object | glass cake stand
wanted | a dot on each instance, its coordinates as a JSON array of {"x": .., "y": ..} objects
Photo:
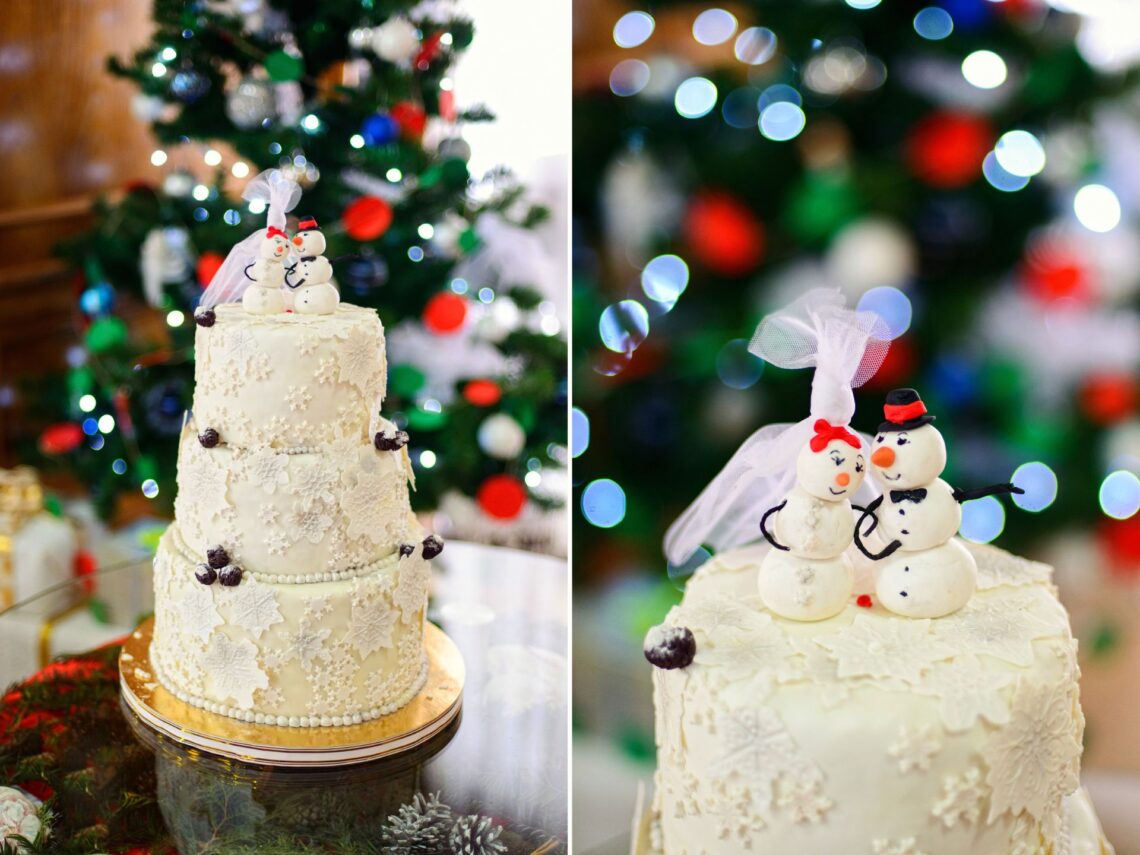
[{"x": 498, "y": 772}]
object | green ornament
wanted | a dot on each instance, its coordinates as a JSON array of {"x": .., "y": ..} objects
[
  {"x": 405, "y": 380},
  {"x": 145, "y": 469},
  {"x": 426, "y": 420},
  {"x": 283, "y": 67},
  {"x": 80, "y": 381},
  {"x": 431, "y": 176},
  {"x": 106, "y": 334},
  {"x": 820, "y": 206},
  {"x": 522, "y": 412},
  {"x": 469, "y": 241},
  {"x": 1105, "y": 639},
  {"x": 455, "y": 174},
  {"x": 53, "y": 505}
]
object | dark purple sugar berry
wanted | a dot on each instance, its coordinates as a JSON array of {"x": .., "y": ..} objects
[
  {"x": 670, "y": 647},
  {"x": 209, "y": 438},
  {"x": 391, "y": 443},
  {"x": 406, "y": 549},
  {"x": 205, "y": 317},
  {"x": 230, "y": 576},
  {"x": 433, "y": 545},
  {"x": 217, "y": 557},
  {"x": 206, "y": 574}
]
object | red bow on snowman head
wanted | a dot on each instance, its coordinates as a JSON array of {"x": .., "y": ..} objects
[
  {"x": 826, "y": 432},
  {"x": 273, "y": 231}
]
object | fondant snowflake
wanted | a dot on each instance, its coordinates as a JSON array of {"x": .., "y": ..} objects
[
  {"x": 298, "y": 398},
  {"x": 199, "y": 615},
  {"x": 276, "y": 541},
  {"x": 359, "y": 358},
  {"x": 998, "y": 568},
  {"x": 368, "y": 507},
  {"x": 316, "y": 484},
  {"x": 962, "y": 797},
  {"x": 378, "y": 686},
  {"x": 268, "y": 470},
  {"x": 276, "y": 430},
  {"x": 759, "y": 750},
  {"x": 967, "y": 692},
  {"x": 271, "y": 698},
  {"x": 240, "y": 347},
  {"x": 1033, "y": 761},
  {"x": 308, "y": 344},
  {"x": 326, "y": 371},
  {"x": 898, "y": 846},
  {"x": 317, "y": 607},
  {"x": 254, "y": 607},
  {"x": 260, "y": 367},
  {"x": 231, "y": 421},
  {"x": 411, "y": 592},
  {"x": 914, "y": 748},
  {"x": 268, "y": 515},
  {"x": 757, "y": 646},
  {"x": 1001, "y": 628},
  {"x": 307, "y": 643},
  {"x": 232, "y": 669},
  {"x": 310, "y": 522},
  {"x": 718, "y": 617},
  {"x": 813, "y": 664},
  {"x": 371, "y": 626},
  {"x": 878, "y": 646},
  {"x": 203, "y": 484},
  {"x": 802, "y": 800}
]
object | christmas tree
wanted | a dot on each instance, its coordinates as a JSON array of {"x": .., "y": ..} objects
[
  {"x": 958, "y": 166},
  {"x": 354, "y": 100}
]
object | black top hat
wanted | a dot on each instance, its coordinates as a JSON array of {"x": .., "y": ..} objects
[{"x": 904, "y": 410}]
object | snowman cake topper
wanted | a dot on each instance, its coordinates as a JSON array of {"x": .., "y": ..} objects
[{"x": 845, "y": 348}]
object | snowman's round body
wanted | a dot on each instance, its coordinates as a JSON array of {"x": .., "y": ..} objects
[
  {"x": 319, "y": 299},
  {"x": 927, "y": 584},
  {"x": 260, "y": 300},
  {"x": 310, "y": 280},
  {"x": 805, "y": 589},
  {"x": 920, "y": 522},
  {"x": 263, "y": 296},
  {"x": 812, "y": 527}
]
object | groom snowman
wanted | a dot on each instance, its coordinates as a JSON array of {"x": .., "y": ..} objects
[{"x": 309, "y": 281}]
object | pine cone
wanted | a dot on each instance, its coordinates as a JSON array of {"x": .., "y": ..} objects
[
  {"x": 419, "y": 828},
  {"x": 476, "y": 835}
]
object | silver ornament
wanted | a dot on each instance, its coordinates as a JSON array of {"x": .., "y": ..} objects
[
  {"x": 252, "y": 104},
  {"x": 456, "y": 147}
]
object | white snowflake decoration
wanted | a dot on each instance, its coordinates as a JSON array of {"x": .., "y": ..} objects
[
  {"x": 316, "y": 484},
  {"x": 271, "y": 698},
  {"x": 317, "y": 607},
  {"x": 254, "y": 607},
  {"x": 232, "y": 668},
  {"x": 967, "y": 692},
  {"x": 359, "y": 358},
  {"x": 311, "y": 522},
  {"x": 326, "y": 371},
  {"x": 368, "y": 509},
  {"x": 308, "y": 344},
  {"x": 371, "y": 625},
  {"x": 199, "y": 616},
  {"x": 884, "y": 646},
  {"x": 411, "y": 592},
  {"x": 998, "y": 568},
  {"x": 758, "y": 646},
  {"x": 241, "y": 348},
  {"x": 203, "y": 484},
  {"x": 298, "y": 398},
  {"x": 307, "y": 643},
  {"x": 962, "y": 797},
  {"x": 276, "y": 542},
  {"x": 268, "y": 515},
  {"x": 803, "y": 801},
  {"x": 898, "y": 846},
  {"x": 1033, "y": 761},
  {"x": 268, "y": 470},
  {"x": 759, "y": 750},
  {"x": 999, "y": 628},
  {"x": 914, "y": 748}
]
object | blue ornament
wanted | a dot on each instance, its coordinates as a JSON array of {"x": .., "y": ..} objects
[
  {"x": 379, "y": 129},
  {"x": 189, "y": 85},
  {"x": 98, "y": 299},
  {"x": 968, "y": 15}
]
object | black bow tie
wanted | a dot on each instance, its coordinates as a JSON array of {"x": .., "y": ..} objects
[
  {"x": 308, "y": 258},
  {"x": 908, "y": 495}
]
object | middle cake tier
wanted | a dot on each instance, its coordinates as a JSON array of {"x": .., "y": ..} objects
[{"x": 320, "y": 515}]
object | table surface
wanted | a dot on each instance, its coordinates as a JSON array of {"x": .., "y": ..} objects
[{"x": 504, "y": 764}]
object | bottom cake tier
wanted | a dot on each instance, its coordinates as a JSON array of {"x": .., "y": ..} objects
[
  {"x": 868, "y": 732},
  {"x": 305, "y": 654}
]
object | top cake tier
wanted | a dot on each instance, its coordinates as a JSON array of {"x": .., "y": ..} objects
[{"x": 289, "y": 381}]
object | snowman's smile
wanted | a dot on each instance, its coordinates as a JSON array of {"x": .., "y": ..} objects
[
  {"x": 889, "y": 478},
  {"x": 835, "y": 492}
]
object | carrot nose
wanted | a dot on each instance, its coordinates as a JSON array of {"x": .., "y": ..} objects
[
  {"x": 883, "y": 457},
  {"x": 297, "y": 240},
  {"x": 842, "y": 479}
]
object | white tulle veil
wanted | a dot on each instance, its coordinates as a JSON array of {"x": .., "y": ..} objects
[
  {"x": 846, "y": 348},
  {"x": 281, "y": 195}
]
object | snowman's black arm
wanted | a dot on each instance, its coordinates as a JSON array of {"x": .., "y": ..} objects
[
  {"x": 980, "y": 492},
  {"x": 246, "y": 271},
  {"x": 768, "y": 536},
  {"x": 869, "y": 511}
]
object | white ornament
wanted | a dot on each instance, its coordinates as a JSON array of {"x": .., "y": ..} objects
[
  {"x": 871, "y": 253},
  {"x": 501, "y": 437},
  {"x": 396, "y": 40},
  {"x": 310, "y": 278},
  {"x": 19, "y": 814},
  {"x": 267, "y": 273},
  {"x": 164, "y": 257}
]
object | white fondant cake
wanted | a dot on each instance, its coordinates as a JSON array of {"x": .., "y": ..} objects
[
  {"x": 870, "y": 732},
  {"x": 280, "y": 475}
]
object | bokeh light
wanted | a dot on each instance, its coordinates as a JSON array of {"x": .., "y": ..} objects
[
  {"x": 1039, "y": 483},
  {"x": 736, "y": 367},
  {"x": 1097, "y": 208},
  {"x": 119, "y": 466},
  {"x": 984, "y": 69},
  {"x": 87, "y": 403},
  {"x": 863, "y": 4},
  {"x": 933, "y": 23},
  {"x": 695, "y": 97},
  {"x": 1120, "y": 494},
  {"x": 890, "y": 304},
  {"x": 1020, "y": 153},
  {"x": 629, "y": 77},
  {"x": 782, "y": 121},
  {"x": 779, "y": 92},
  {"x": 755, "y": 46},
  {"x": 90, "y": 426},
  {"x": 579, "y": 432},
  {"x": 982, "y": 519},
  {"x": 632, "y": 29},
  {"x": 1000, "y": 179},
  {"x": 623, "y": 326},
  {"x": 603, "y": 503},
  {"x": 106, "y": 423},
  {"x": 150, "y": 488},
  {"x": 739, "y": 108},
  {"x": 714, "y": 26},
  {"x": 664, "y": 280}
]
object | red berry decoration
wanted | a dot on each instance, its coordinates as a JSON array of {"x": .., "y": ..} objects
[
  {"x": 670, "y": 647},
  {"x": 208, "y": 265},
  {"x": 433, "y": 545},
  {"x": 946, "y": 149},
  {"x": 209, "y": 438},
  {"x": 206, "y": 574},
  {"x": 230, "y": 576},
  {"x": 723, "y": 234},
  {"x": 406, "y": 549},
  {"x": 411, "y": 119},
  {"x": 501, "y": 497},
  {"x": 445, "y": 313},
  {"x": 217, "y": 557},
  {"x": 394, "y": 442},
  {"x": 205, "y": 317},
  {"x": 60, "y": 438},
  {"x": 367, "y": 218},
  {"x": 482, "y": 393},
  {"x": 863, "y": 601}
]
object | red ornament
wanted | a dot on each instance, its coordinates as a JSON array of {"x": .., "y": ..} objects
[
  {"x": 445, "y": 313},
  {"x": 428, "y": 51},
  {"x": 84, "y": 565},
  {"x": 60, "y": 438},
  {"x": 1120, "y": 540},
  {"x": 1109, "y": 398},
  {"x": 1053, "y": 271},
  {"x": 501, "y": 497},
  {"x": 411, "y": 119},
  {"x": 208, "y": 264},
  {"x": 897, "y": 367},
  {"x": 482, "y": 393},
  {"x": 863, "y": 601},
  {"x": 723, "y": 234},
  {"x": 946, "y": 149},
  {"x": 447, "y": 109},
  {"x": 367, "y": 218}
]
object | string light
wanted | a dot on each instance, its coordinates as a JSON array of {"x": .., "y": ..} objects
[
  {"x": 629, "y": 77},
  {"x": 393, "y": 175},
  {"x": 933, "y": 23},
  {"x": 1020, "y": 153},
  {"x": 736, "y": 367},
  {"x": 416, "y": 254},
  {"x": 782, "y": 121},
  {"x": 984, "y": 69},
  {"x": 1039, "y": 483},
  {"x": 158, "y": 70},
  {"x": 106, "y": 423},
  {"x": 311, "y": 123},
  {"x": 755, "y": 46},
  {"x": 175, "y": 318},
  {"x": 1120, "y": 494},
  {"x": 664, "y": 279},
  {"x": 714, "y": 26},
  {"x": 1097, "y": 208},
  {"x": 695, "y": 97},
  {"x": 257, "y": 206},
  {"x": 158, "y": 157},
  {"x": 459, "y": 286},
  {"x": 633, "y": 29},
  {"x": 890, "y": 304},
  {"x": 982, "y": 519},
  {"x": 623, "y": 326},
  {"x": 999, "y": 178},
  {"x": 87, "y": 403},
  {"x": 168, "y": 54},
  {"x": 356, "y": 141},
  {"x": 532, "y": 479},
  {"x": 119, "y": 466},
  {"x": 97, "y": 443},
  {"x": 212, "y": 157},
  {"x": 550, "y": 325},
  {"x": 603, "y": 503},
  {"x": 240, "y": 169},
  {"x": 200, "y": 192},
  {"x": 579, "y": 432},
  {"x": 486, "y": 295},
  {"x": 426, "y": 231},
  {"x": 90, "y": 427},
  {"x": 150, "y": 488},
  {"x": 427, "y": 458},
  {"x": 863, "y": 5},
  {"x": 231, "y": 217}
]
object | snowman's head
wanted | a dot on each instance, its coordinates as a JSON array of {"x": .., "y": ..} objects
[
  {"x": 275, "y": 245},
  {"x": 830, "y": 466},
  {"x": 309, "y": 240},
  {"x": 904, "y": 459}
]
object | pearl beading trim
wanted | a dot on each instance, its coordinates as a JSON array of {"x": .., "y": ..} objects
[{"x": 343, "y": 720}]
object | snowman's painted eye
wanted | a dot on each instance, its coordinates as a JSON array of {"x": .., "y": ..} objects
[
  {"x": 879, "y": 438},
  {"x": 858, "y": 467},
  {"x": 903, "y": 440},
  {"x": 839, "y": 460}
]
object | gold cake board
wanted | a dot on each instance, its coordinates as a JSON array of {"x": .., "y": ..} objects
[{"x": 428, "y": 713}]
